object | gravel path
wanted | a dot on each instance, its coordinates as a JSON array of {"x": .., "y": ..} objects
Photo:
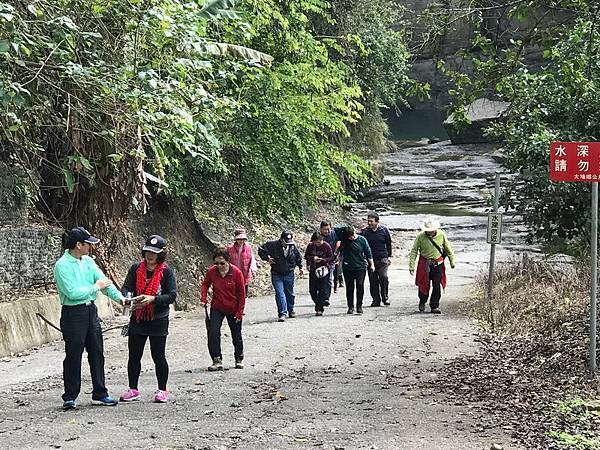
[{"x": 331, "y": 382}]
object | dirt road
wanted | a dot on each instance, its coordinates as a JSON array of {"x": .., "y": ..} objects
[{"x": 330, "y": 382}]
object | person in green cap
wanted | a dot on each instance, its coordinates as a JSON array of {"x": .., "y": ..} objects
[{"x": 78, "y": 281}]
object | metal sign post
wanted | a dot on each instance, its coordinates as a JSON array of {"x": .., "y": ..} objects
[
  {"x": 579, "y": 161},
  {"x": 493, "y": 237},
  {"x": 593, "y": 293}
]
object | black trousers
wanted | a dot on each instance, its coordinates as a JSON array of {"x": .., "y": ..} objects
[
  {"x": 357, "y": 277},
  {"x": 136, "y": 344},
  {"x": 320, "y": 290},
  {"x": 435, "y": 275},
  {"x": 379, "y": 282},
  {"x": 81, "y": 330},
  {"x": 214, "y": 335},
  {"x": 337, "y": 277}
]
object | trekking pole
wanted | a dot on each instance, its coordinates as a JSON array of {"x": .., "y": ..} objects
[
  {"x": 207, "y": 323},
  {"x": 206, "y": 319},
  {"x": 104, "y": 330},
  {"x": 48, "y": 322}
]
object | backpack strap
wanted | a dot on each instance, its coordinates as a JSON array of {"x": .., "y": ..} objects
[{"x": 442, "y": 252}]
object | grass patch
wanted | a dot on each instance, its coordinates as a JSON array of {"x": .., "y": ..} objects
[
  {"x": 573, "y": 441},
  {"x": 534, "y": 297}
]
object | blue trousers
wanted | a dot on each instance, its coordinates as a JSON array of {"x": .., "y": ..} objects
[{"x": 284, "y": 292}]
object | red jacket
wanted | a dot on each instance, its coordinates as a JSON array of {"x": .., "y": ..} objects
[
  {"x": 422, "y": 279},
  {"x": 229, "y": 292}
]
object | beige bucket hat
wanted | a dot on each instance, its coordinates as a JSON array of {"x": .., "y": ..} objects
[{"x": 430, "y": 224}]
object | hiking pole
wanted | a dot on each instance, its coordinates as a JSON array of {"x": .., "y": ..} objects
[
  {"x": 207, "y": 323},
  {"x": 104, "y": 330},
  {"x": 206, "y": 318},
  {"x": 48, "y": 322}
]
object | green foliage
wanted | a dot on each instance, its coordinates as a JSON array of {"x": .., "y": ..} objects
[
  {"x": 95, "y": 88},
  {"x": 278, "y": 143},
  {"x": 571, "y": 406},
  {"x": 573, "y": 441},
  {"x": 242, "y": 101},
  {"x": 371, "y": 37},
  {"x": 14, "y": 189},
  {"x": 557, "y": 102},
  {"x": 372, "y": 40},
  {"x": 576, "y": 421}
]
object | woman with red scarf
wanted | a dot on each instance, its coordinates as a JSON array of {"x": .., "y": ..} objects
[{"x": 153, "y": 281}]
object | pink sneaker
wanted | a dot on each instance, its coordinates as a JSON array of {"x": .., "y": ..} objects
[
  {"x": 130, "y": 395},
  {"x": 161, "y": 396}
]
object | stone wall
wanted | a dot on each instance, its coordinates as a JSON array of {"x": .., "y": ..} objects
[{"x": 27, "y": 256}]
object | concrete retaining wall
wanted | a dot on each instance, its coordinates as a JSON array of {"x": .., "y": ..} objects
[{"x": 21, "y": 328}]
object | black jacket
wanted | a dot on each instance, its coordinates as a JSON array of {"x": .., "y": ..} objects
[
  {"x": 167, "y": 292},
  {"x": 379, "y": 240},
  {"x": 282, "y": 265}
]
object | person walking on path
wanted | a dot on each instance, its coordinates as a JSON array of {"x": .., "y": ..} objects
[
  {"x": 380, "y": 241},
  {"x": 283, "y": 256},
  {"x": 242, "y": 256},
  {"x": 318, "y": 257},
  {"x": 356, "y": 257},
  {"x": 78, "y": 280},
  {"x": 153, "y": 282},
  {"x": 228, "y": 301},
  {"x": 329, "y": 236},
  {"x": 433, "y": 247}
]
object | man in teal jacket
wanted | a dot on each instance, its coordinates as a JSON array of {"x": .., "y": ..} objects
[{"x": 78, "y": 281}]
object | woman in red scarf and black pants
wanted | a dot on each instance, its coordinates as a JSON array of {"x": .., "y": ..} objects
[{"x": 155, "y": 281}]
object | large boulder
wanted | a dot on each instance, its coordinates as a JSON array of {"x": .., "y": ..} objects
[{"x": 481, "y": 113}]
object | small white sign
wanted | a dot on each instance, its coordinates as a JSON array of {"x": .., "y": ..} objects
[{"x": 494, "y": 231}]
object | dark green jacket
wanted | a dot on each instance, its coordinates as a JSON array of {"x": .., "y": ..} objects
[{"x": 354, "y": 254}]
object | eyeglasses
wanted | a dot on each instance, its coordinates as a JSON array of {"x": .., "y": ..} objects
[{"x": 220, "y": 263}]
